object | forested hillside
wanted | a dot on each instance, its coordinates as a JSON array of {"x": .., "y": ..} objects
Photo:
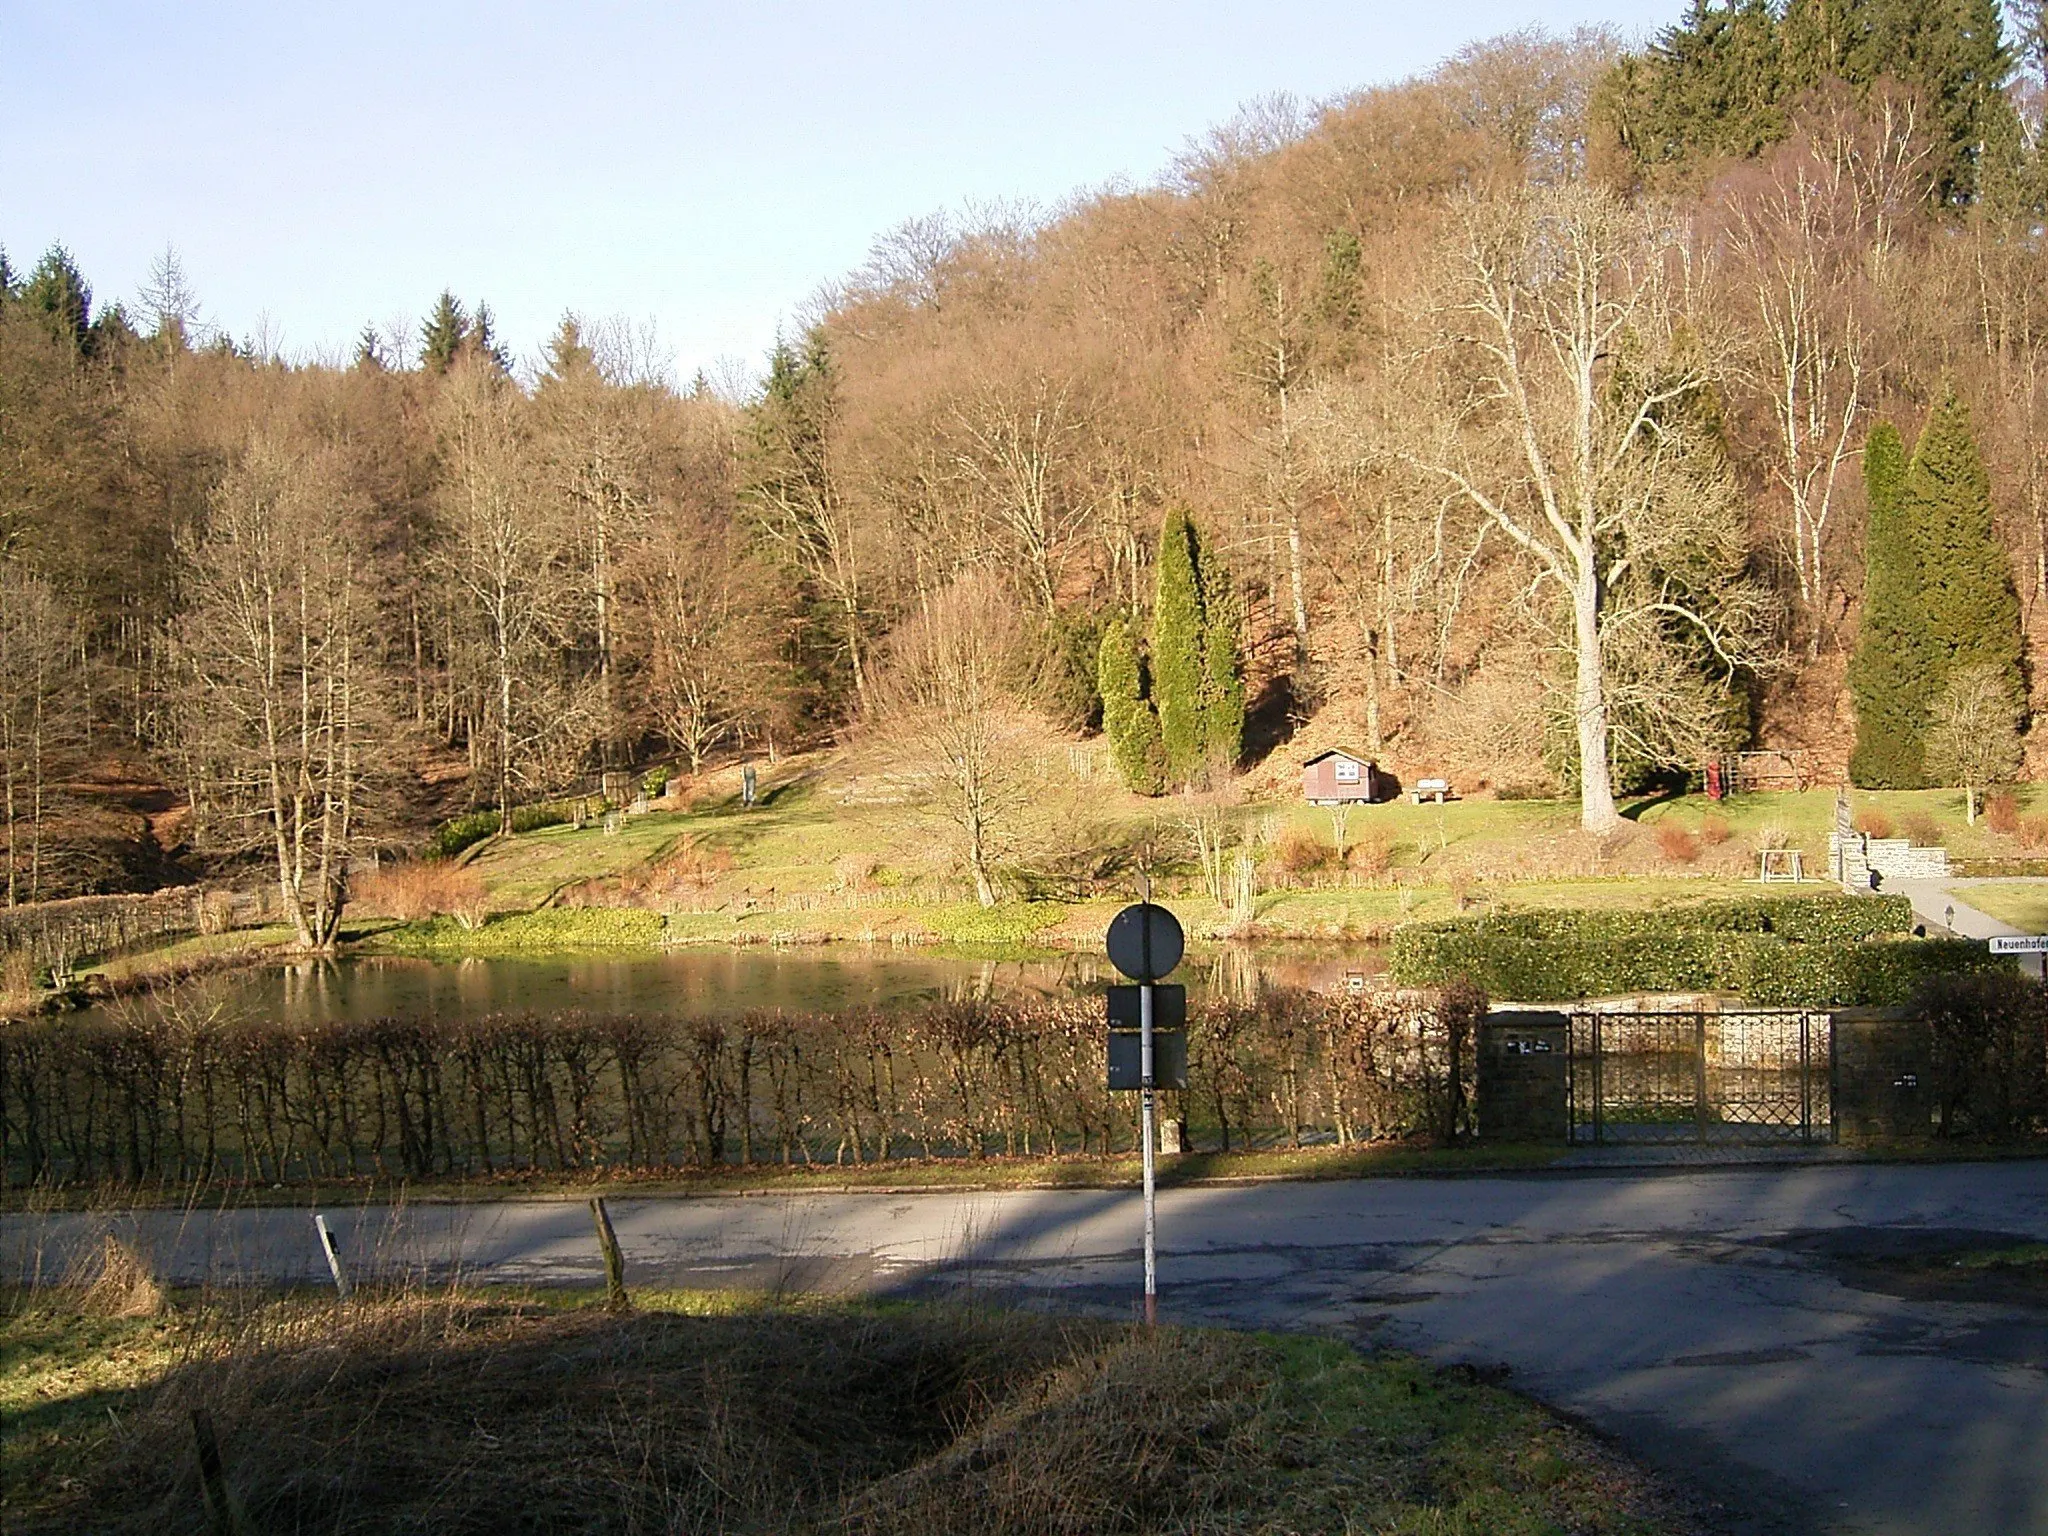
[{"x": 1510, "y": 422}]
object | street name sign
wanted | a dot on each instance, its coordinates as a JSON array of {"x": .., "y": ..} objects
[{"x": 2020, "y": 944}]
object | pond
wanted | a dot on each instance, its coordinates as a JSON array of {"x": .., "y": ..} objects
[{"x": 705, "y": 982}]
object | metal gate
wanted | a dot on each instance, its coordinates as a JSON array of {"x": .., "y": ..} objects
[{"x": 1754, "y": 1075}]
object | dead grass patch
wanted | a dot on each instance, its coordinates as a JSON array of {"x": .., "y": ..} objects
[{"x": 467, "y": 1414}]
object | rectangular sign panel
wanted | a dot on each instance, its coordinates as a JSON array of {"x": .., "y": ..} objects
[
  {"x": 1169, "y": 1007},
  {"x": 2020, "y": 944},
  {"x": 1169, "y": 1059}
]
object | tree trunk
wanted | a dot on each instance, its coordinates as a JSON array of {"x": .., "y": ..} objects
[{"x": 1596, "y": 784}]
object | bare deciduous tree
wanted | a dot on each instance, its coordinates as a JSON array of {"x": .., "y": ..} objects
[
  {"x": 504, "y": 553},
  {"x": 1565, "y": 358},
  {"x": 38, "y": 706},
  {"x": 949, "y": 724},
  {"x": 282, "y": 707}
]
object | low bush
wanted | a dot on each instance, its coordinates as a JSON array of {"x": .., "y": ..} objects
[
  {"x": 1372, "y": 855},
  {"x": 1990, "y": 1052},
  {"x": 461, "y": 833},
  {"x": 466, "y": 831},
  {"x": 1299, "y": 851},
  {"x": 423, "y": 889},
  {"x": 1714, "y": 831},
  {"x": 1921, "y": 829},
  {"x": 2002, "y": 812},
  {"x": 1679, "y": 844},
  {"x": 1872, "y": 822},
  {"x": 2033, "y": 831}
]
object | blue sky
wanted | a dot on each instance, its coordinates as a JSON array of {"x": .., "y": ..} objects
[{"x": 702, "y": 167}]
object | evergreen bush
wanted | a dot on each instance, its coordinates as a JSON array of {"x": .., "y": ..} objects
[{"x": 1127, "y": 716}]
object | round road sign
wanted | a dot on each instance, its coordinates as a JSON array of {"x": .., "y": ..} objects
[{"x": 1145, "y": 941}]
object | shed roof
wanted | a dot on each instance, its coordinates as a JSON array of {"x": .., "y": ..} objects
[{"x": 1335, "y": 752}]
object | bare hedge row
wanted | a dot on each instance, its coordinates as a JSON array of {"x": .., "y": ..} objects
[{"x": 171, "y": 1093}]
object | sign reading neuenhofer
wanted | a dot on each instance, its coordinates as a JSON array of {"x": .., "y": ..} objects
[{"x": 2020, "y": 944}]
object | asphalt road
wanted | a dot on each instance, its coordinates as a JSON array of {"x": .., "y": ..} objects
[{"x": 1718, "y": 1322}]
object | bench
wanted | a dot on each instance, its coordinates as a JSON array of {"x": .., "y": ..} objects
[{"x": 1438, "y": 790}]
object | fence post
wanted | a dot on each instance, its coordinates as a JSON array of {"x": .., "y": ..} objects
[
  {"x": 1699, "y": 1076},
  {"x": 614, "y": 1260},
  {"x": 333, "y": 1252},
  {"x": 213, "y": 1477}
]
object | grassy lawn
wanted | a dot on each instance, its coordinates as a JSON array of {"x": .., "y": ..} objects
[
  {"x": 723, "y": 1413},
  {"x": 2023, "y": 903}
]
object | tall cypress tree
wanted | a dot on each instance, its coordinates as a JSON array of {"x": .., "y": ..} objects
[
  {"x": 1889, "y": 672},
  {"x": 1972, "y": 613},
  {"x": 1178, "y": 673},
  {"x": 1222, "y": 669},
  {"x": 1127, "y": 717}
]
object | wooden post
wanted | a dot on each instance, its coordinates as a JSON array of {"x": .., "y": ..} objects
[
  {"x": 614, "y": 1260},
  {"x": 213, "y": 1477},
  {"x": 328, "y": 1247}
]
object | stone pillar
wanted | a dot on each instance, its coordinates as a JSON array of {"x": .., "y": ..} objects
[{"x": 1522, "y": 1079}]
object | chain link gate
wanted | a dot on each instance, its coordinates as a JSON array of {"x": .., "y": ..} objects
[{"x": 1748, "y": 1075}]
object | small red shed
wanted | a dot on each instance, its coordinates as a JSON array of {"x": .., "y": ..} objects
[{"x": 1337, "y": 777}]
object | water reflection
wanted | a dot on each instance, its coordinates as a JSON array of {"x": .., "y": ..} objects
[{"x": 723, "y": 981}]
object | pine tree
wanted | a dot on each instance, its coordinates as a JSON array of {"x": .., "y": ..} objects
[
  {"x": 1127, "y": 717},
  {"x": 442, "y": 336},
  {"x": 1178, "y": 673},
  {"x": 57, "y": 292},
  {"x": 1222, "y": 670},
  {"x": 1889, "y": 674},
  {"x": 1972, "y": 613}
]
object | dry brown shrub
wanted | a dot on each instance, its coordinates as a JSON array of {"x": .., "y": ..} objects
[
  {"x": 1714, "y": 830},
  {"x": 424, "y": 889},
  {"x": 1678, "y": 844},
  {"x": 1921, "y": 828},
  {"x": 1299, "y": 851},
  {"x": 1372, "y": 855},
  {"x": 691, "y": 865},
  {"x": 2033, "y": 831},
  {"x": 2002, "y": 812},
  {"x": 17, "y": 979},
  {"x": 1158, "y": 1431},
  {"x": 1872, "y": 822},
  {"x": 854, "y": 873},
  {"x": 115, "y": 1281}
]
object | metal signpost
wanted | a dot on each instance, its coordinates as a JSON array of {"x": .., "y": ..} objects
[{"x": 1146, "y": 942}]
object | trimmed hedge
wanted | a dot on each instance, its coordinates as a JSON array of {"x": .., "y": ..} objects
[
  {"x": 1797, "y": 918},
  {"x": 1798, "y": 952},
  {"x": 465, "y": 831}
]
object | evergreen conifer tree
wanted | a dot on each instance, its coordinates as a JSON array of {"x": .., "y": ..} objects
[
  {"x": 1127, "y": 717},
  {"x": 60, "y": 294},
  {"x": 1222, "y": 670},
  {"x": 1971, "y": 612},
  {"x": 1888, "y": 674},
  {"x": 1178, "y": 672},
  {"x": 442, "y": 336}
]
